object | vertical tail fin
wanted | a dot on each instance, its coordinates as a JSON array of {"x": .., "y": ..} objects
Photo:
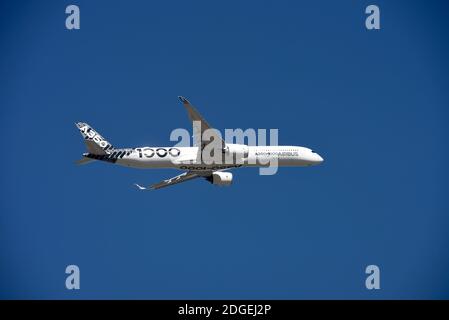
[{"x": 95, "y": 143}]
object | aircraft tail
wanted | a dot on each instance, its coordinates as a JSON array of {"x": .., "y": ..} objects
[{"x": 95, "y": 143}]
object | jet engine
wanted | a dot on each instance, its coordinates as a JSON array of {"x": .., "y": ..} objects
[{"x": 220, "y": 178}]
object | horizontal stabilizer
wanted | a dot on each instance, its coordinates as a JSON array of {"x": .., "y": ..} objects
[{"x": 84, "y": 161}]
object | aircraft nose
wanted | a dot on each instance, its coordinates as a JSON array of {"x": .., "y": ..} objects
[
  {"x": 317, "y": 159},
  {"x": 312, "y": 158}
]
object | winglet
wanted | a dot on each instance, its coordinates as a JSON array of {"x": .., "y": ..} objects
[
  {"x": 140, "y": 187},
  {"x": 183, "y": 100}
]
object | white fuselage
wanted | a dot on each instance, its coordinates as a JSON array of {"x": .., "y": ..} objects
[{"x": 236, "y": 155}]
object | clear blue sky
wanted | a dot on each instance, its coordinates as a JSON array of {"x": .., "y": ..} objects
[{"x": 373, "y": 103}]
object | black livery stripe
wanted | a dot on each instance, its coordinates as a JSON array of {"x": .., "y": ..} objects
[
  {"x": 112, "y": 157},
  {"x": 101, "y": 157}
]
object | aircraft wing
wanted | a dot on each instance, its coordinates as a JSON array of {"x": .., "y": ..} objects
[
  {"x": 194, "y": 115},
  {"x": 186, "y": 176}
]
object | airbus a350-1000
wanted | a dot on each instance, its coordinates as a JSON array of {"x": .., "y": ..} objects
[{"x": 190, "y": 159}]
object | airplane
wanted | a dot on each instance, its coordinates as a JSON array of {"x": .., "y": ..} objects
[{"x": 190, "y": 159}]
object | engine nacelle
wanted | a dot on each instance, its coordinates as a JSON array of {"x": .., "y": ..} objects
[{"x": 221, "y": 178}]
